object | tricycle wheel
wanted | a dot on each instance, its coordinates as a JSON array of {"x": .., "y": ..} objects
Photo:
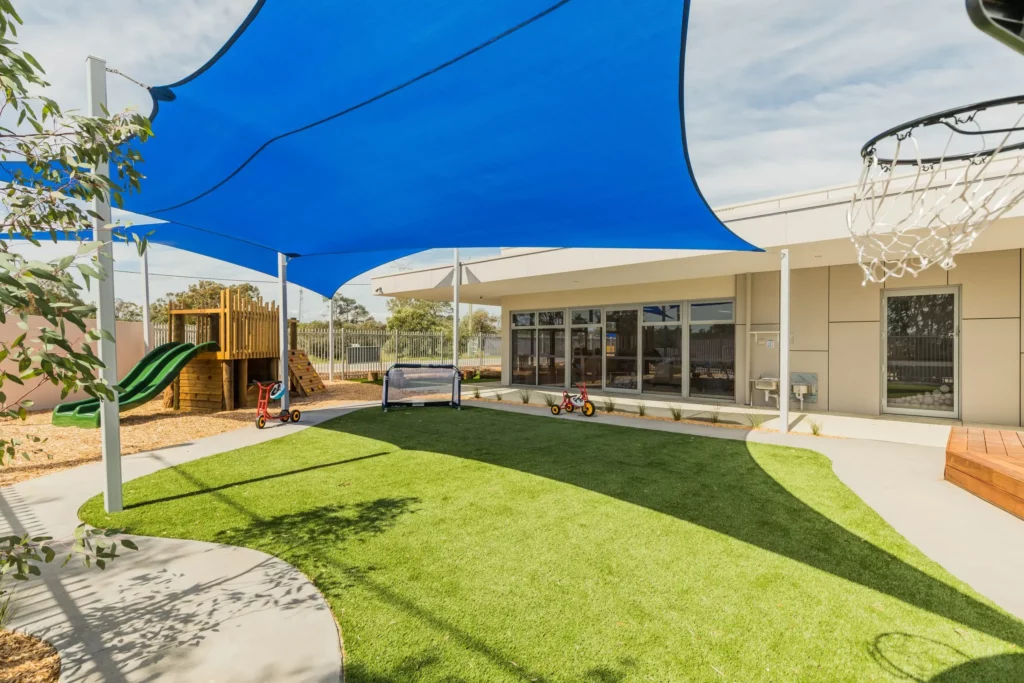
[
  {"x": 569, "y": 408},
  {"x": 555, "y": 410},
  {"x": 295, "y": 415},
  {"x": 588, "y": 409},
  {"x": 261, "y": 422},
  {"x": 284, "y": 416}
]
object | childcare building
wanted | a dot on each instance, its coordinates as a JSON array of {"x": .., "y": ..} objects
[{"x": 704, "y": 326}]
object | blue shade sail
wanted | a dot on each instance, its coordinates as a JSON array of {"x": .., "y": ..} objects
[{"x": 325, "y": 127}]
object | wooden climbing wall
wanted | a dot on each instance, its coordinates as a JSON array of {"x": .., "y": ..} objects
[
  {"x": 200, "y": 386},
  {"x": 304, "y": 378}
]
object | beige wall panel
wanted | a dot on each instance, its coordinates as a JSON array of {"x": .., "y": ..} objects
[
  {"x": 990, "y": 284},
  {"x": 854, "y": 367},
  {"x": 816, "y": 362},
  {"x": 741, "y": 360},
  {"x": 765, "y": 299},
  {"x": 680, "y": 290},
  {"x": 849, "y": 300},
  {"x": 45, "y": 395},
  {"x": 741, "y": 298},
  {"x": 990, "y": 358},
  {"x": 809, "y": 309},
  {"x": 933, "y": 277}
]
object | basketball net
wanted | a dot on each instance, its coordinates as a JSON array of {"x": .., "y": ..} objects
[{"x": 904, "y": 223}]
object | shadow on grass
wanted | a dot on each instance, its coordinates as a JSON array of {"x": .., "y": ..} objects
[
  {"x": 206, "y": 490},
  {"x": 723, "y": 489},
  {"x": 909, "y": 657},
  {"x": 307, "y": 531}
]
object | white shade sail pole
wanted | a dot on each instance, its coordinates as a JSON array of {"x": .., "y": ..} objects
[
  {"x": 282, "y": 276},
  {"x": 110, "y": 418},
  {"x": 330, "y": 341},
  {"x": 456, "y": 281},
  {"x": 147, "y": 326},
  {"x": 784, "y": 344}
]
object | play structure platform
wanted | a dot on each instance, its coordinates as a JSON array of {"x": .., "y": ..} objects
[
  {"x": 988, "y": 463},
  {"x": 150, "y": 376},
  {"x": 236, "y": 344}
]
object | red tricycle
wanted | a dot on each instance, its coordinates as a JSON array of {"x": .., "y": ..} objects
[
  {"x": 272, "y": 391},
  {"x": 570, "y": 403}
]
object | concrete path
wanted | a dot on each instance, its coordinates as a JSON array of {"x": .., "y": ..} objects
[
  {"x": 176, "y": 610},
  {"x": 975, "y": 541}
]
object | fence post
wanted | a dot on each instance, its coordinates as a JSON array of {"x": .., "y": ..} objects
[
  {"x": 398, "y": 352},
  {"x": 480, "y": 350},
  {"x": 344, "y": 355}
]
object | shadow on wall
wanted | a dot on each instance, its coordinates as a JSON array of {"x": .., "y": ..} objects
[{"x": 767, "y": 516}]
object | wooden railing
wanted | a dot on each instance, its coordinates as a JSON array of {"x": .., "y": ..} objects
[{"x": 242, "y": 327}]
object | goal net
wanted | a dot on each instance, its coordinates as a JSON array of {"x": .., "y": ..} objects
[{"x": 422, "y": 385}]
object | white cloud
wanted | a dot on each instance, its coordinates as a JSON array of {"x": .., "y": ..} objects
[{"x": 780, "y": 96}]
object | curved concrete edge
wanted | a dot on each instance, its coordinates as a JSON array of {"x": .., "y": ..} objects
[
  {"x": 177, "y": 610},
  {"x": 974, "y": 541}
]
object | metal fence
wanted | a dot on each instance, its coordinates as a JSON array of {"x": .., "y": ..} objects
[
  {"x": 922, "y": 359},
  {"x": 360, "y": 352}
]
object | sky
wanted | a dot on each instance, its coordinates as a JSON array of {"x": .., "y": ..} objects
[{"x": 780, "y": 94}]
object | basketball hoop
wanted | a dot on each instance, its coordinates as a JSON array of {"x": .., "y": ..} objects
[{"x": 965, "y": 169}]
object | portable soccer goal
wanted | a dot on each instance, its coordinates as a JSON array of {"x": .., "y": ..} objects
[{"x": 415, "y": 384}]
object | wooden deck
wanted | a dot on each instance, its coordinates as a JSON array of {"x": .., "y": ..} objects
[{"x": 990, "y": 464}]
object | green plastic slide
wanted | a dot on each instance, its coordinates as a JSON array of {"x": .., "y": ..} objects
[{"x": 145, "y": 381}]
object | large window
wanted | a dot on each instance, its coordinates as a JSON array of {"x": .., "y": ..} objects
[
  {"x": 538, "y": 348},
  {"x": 662, "y": 348},
  {"x": 682, "y": 348},
  {"x": 713, "y": 349}
]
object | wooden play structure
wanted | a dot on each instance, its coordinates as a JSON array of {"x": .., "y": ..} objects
[
  {"x": 246, "y": 332},
  {"x": 990, "y": 464}
]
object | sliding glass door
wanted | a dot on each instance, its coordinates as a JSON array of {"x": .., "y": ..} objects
[
  {"x": 662, "y": 349},
  {"x": 621, "y": 347},
  {"x": 712, "y": 350},
  {"x": 586, "y": 334}
]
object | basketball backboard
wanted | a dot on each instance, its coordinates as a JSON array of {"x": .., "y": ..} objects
[{"x": 1001, "y": 19}]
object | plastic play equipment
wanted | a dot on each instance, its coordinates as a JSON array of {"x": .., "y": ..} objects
[
  {"x": 571, "y": 403},
  {"x": 420, "y": 384},
  {"x": 272, "y": 391},
  {"x": 150, "y": 376}
]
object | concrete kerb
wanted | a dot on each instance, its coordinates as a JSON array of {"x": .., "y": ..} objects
[{"x": 925, "y": 432}]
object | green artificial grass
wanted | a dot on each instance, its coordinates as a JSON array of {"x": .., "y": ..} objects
[{"x": 480, "y": 545}]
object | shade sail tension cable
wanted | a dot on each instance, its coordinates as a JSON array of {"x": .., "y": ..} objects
[{"x": 375, "y": 98}]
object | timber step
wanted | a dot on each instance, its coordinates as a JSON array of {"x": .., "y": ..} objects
[
  {"x": 988, "y": 463},
  {"x": 304, "y": 377}
]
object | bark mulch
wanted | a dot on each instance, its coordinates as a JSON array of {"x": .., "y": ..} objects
[
  {"x": 145, "y": 428},
  {"x": 27, "y": 659}
]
